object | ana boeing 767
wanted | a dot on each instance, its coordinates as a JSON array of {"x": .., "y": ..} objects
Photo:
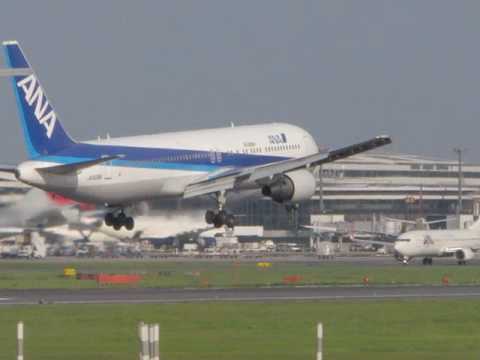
[{"x": 277, "y": 158}]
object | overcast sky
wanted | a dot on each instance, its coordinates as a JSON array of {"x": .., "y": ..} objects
[{"x": 344, "y": 70}]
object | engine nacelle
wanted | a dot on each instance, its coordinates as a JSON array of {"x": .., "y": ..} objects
[
  {"x": 464, "y": 254},
  {"x": 293, "y": 186}
]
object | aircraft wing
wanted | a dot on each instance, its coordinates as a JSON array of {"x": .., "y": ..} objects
[
  {"x": 233, "y": 177},
  {"x": 64, "y": 169},
  {"x": 387, "y": 243},
  {"x": 453, "y": 250}
]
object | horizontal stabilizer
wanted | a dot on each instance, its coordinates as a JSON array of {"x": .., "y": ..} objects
[
  {"x": 12, "y": 169},
  {"x": 72, "y": 167}
]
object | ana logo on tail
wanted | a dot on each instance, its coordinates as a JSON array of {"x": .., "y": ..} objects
[{"x": 34, "y": 95}]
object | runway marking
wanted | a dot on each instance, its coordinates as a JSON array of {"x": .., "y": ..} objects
[{"x": 246, "y": 299}]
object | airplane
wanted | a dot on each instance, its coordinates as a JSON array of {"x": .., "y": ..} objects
[
  {"x": 278, "y": 158},
  {"x": 459, "y": 243}
]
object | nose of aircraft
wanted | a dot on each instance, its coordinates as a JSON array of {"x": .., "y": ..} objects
[{"x": 397, "y": 250}]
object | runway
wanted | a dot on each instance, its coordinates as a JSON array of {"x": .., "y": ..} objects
[
  {"x": 362, "y": 260},
  {"x": 160, "y": 295}
]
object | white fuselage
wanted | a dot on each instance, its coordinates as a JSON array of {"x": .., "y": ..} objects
[
  {"x": 163, "y": 165},
  {"x": 436, "y": 243}
]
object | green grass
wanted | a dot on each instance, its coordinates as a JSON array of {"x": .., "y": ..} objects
[
  {"x": 426, "y": 329},
  {"x": 48, "y": 274}
]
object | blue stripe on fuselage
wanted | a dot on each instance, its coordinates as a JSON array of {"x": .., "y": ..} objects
[{"x": 159, "y": 158}]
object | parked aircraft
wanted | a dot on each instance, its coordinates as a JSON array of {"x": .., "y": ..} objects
[
  {"x": 462, "y": 244},
  {"x": 277, "y": 158},
  {"x": 34, "y": 217},
  {"x": 155, "y": 228}
]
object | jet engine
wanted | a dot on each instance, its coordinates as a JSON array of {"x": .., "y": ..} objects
[
  {"x": 292, "y": 186},
  {"x": 463, "y": 255}
]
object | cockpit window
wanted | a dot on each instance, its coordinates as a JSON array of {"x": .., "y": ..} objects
[{"x": 405, "y": 240}]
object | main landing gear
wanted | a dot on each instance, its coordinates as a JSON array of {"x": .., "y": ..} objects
[
  {"x": 119, "y": 220},
  {"x": 220, "y": 217},
  {"x": 427, "y": 261}
]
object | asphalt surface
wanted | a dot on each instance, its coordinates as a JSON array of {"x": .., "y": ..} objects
[
  {"x": 159, "y": 295},
  {"x": 358, "y": 260}
]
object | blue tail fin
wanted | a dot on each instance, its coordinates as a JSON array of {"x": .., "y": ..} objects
[{"x": 44, "y": 135}]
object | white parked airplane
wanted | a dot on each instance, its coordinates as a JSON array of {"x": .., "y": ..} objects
[
  {"x": 277, "y": 158},
  {"x": 462, "y": 244}
]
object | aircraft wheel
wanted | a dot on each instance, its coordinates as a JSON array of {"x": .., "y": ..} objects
[
  {"x": 109, "y": 219},
  {"x": 121, "y": 218},
  {"x": 117, "y": 225},
  {"x": 230, "y": 221},
  {"x": 220, "y": 219},
  {"x": 210, "y": 217},
  {"x": 129, "y": 223},
  {"x": 217, "y": 222}
]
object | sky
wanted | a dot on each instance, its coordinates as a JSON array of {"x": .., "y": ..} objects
[{"x": 343, "y": 70}]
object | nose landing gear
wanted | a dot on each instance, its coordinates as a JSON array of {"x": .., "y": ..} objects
[{"x": 117, "y": 221}]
